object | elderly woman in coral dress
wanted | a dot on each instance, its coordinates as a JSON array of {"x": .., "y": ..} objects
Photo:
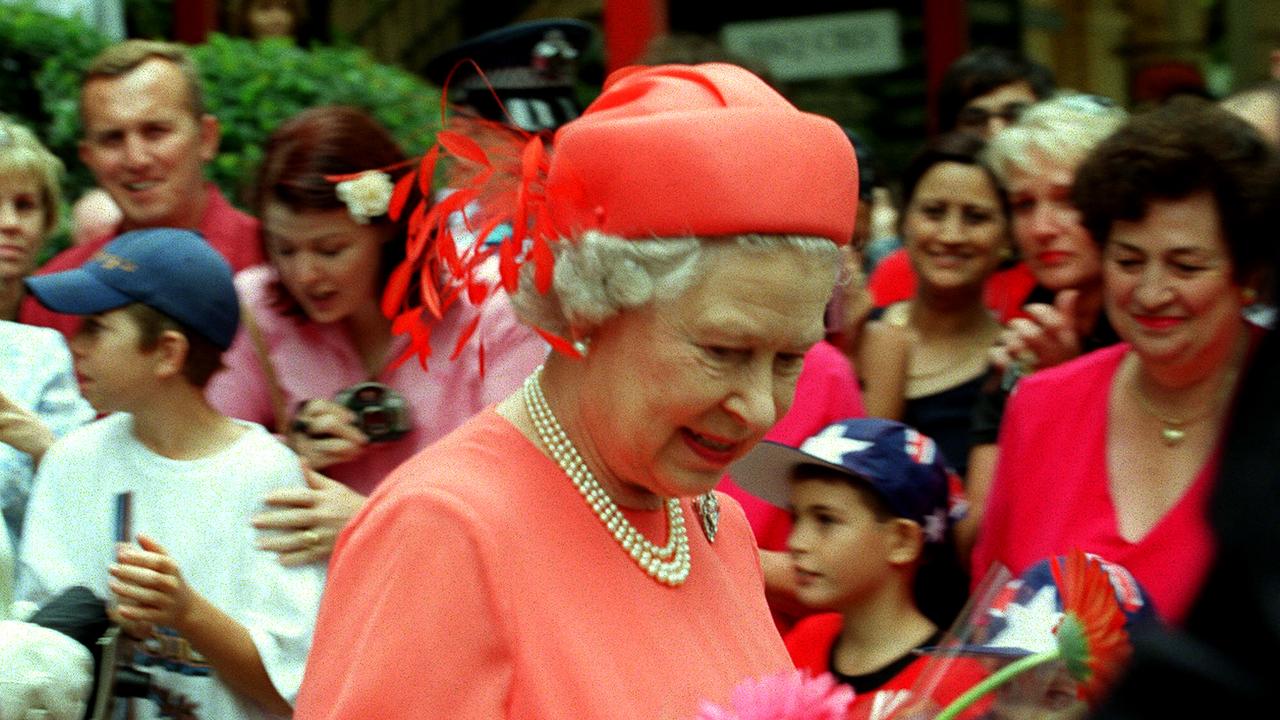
[{"x": 563, "y": 554}]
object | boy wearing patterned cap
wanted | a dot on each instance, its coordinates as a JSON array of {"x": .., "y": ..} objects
[
  {"x": 873, "y": 504},
  {"x": 221, "y": 624}
]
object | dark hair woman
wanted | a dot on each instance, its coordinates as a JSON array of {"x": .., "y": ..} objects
[{"x": 317, "y": 336}]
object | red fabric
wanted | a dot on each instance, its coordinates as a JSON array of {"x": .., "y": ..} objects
[
  {"x": 810, "y": 646},
  {"x": 893, "y": 280},
  {"x": 232, "y": 233},
  {"x": 648, "y": 159},
  {"x": 629, "y": 27},
  {"x": 1051, "y": 491}
]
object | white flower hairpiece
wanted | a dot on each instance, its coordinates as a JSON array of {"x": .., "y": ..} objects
[{"x": 367, "y": 195}]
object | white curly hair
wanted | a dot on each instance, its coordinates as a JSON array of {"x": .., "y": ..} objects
[{"x": 600, "y": 275}]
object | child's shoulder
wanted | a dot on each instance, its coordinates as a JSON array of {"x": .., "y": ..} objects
[
  {"x": 100, "y": 436},
  {"x": 257, "y": 454}
]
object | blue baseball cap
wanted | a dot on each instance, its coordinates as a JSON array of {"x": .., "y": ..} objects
[
  {"x": 897, "y": 462},
  {"x": 1023, "y": 615},
  {"x": 170, "y": 270}
]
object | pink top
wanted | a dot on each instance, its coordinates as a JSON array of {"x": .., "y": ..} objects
[
  {"x": 232, "y": 233},
  {"x": 1051, "y": 490},
  {"x": 313, "y": 360},
  {"x": 477, "y": 583}
]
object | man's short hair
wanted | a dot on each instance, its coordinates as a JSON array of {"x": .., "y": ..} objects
[
  {"x": 122, "y": 58},
  {"x": 204, "y": 358},
  {"x": 981, "y": 71}
]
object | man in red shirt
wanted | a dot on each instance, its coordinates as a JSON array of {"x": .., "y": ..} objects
[{"x": 147, "y": 139}]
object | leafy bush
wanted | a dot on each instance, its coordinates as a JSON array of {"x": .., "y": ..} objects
[
  {"x": 253, "y": 86},
  {"x": 42, "y": 58},
  {"x": 250, "y": 86}
]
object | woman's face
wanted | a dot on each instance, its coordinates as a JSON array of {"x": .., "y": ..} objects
[
  {"x": 271, "y": 18},
  {"x": 1046, "y": 226},
  {"x": 955, "y": 229},
  {"x": 327, "y": 261},
  {"x": 22, "y": 224},
  {"x": 1168, "y": 284},
  {"x": 677, "y": 390}
]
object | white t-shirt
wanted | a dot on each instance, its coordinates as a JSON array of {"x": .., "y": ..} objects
[{"x": 199, "y": 511}]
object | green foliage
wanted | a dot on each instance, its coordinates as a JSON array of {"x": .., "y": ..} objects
[
  {"x": 41, "y": 60},
  {"x": 149, "y": 18},
  {"x": 253, "y": 86}
]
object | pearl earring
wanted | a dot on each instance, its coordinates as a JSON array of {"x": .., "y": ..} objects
[{"x": 582, "y": 346}]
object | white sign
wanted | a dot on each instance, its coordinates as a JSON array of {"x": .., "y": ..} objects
[{"x": 853, "y": 43}]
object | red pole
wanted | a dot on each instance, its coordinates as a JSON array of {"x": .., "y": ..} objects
[
  {"x": 629, "y": 25},
  {"x": 946, "y": 37},
  {"x": 193, "y": 20}
]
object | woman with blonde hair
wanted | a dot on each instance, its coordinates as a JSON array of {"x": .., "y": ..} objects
[
  {"x": 38, "y": 396},
  {"x": 1036, "y": 160},
  {"x": 30, "y": 200}
]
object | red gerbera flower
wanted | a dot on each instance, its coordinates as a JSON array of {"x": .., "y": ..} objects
[{"x": 1091, "y": 638}]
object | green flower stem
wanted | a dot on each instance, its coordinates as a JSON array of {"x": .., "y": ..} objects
[{"x": 995, "y": 680}]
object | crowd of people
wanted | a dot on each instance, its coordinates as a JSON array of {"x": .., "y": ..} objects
[{"x": 611, "y": 424}]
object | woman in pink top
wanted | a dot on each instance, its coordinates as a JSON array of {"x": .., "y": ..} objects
[
  {"x": 314, "y": 330},
  {"x": 564, "y": 555},
  {"x": 1114, "y": 452}
]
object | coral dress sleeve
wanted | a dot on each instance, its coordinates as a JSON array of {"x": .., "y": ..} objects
[{"x": 408, "y": 596}]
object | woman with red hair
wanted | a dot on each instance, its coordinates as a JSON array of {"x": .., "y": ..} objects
[{"x": 316, "y": 358}]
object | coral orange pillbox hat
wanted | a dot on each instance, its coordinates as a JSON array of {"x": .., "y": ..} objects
[{"x": 704, "y": 150}]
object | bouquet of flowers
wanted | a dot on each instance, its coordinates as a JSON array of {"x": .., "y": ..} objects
[{"x": 1051, "y": 642}]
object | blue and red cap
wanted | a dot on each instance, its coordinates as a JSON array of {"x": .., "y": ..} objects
[
  {"x": 170, "y": 270},
  {"x": 1023, "y": 615},
  {"x": 901, "y": 465}
]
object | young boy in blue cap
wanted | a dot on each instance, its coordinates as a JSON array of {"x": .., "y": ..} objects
[
  {"x": 873, "y": 504},
  {"x": 223, "y": 625}
]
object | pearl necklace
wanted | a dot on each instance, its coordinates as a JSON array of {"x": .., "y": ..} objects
[{"x": 668, "y": 565}]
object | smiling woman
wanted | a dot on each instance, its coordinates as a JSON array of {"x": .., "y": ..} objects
[
  {"x": 924, "y": 359},
  {"x": 1177, "y": 200},
  {"x": 564, "y": 555}
]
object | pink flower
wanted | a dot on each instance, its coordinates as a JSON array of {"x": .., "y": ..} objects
[{"x": 788, "y": 696}]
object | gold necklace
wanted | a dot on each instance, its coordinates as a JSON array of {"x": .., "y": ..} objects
[
  {"x": 1173, "y": 433},
  {"x": 668, "y": 565}
]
